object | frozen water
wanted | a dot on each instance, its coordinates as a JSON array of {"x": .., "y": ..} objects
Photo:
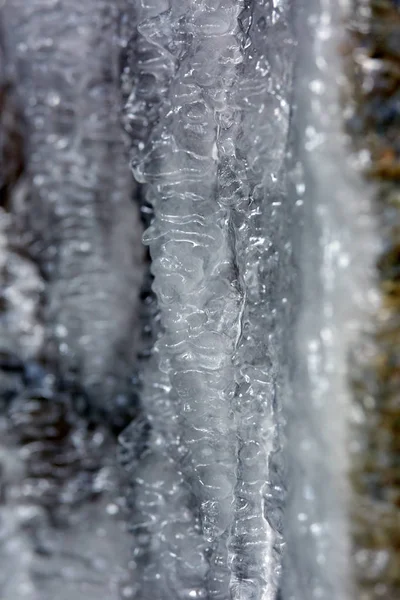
[
  {"x": 338, "y": 252},
  {"x": 209, "y": 117},
  {"x": 260, "y": 238},
  {"x": 62, "y": 527},
  {"x": 83, "y": 225},
  {"x": 21, "y": 332},
  {"x": 70, "y": 275}
]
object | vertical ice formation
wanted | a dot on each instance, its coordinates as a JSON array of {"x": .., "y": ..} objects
[
  {"x": 62, "y": 531},
  {"x": 262, "y": 217},
  {"x": 83, "y": 225},
  {"x": 339, "y": 247},
  {"x": 208, "y": 115}
]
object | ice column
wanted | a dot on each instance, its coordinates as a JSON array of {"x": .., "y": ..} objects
[{"x": 209, "y": 115}]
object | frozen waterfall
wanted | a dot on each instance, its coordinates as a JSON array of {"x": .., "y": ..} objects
[{"x": 177, "y": 415}]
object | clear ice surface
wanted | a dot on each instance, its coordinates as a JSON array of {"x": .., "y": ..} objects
[
  {"x": 208, "y": 115},
  {"x": 260, "y": 247}
]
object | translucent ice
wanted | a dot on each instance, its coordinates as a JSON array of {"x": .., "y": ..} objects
[
  {"x": 209, "y": 115},
  {"x": 70, "y": 276},
  {"x": 336, "y": 258},
  {"x": 62, "y": 528},
  {"x": 83, "y": 225},
  {"x": 261, "y": 244},
  {"x": 21, "y": 332}
]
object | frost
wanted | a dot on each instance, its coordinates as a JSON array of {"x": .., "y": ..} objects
[{"x": 336, "y": 259}]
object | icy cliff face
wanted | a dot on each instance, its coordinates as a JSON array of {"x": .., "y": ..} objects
[
  {"x": 209, "y": 115},
  {"x": 83, "y": 225}
]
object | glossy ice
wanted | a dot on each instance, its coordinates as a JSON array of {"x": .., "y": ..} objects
[{"x": 209, "y": 115}]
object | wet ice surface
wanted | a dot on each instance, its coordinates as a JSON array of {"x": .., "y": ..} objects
[
  {"x": 209, "y": 115},
  {"x": 236, "y": 462},
  {"x": 70, "y": 279}
]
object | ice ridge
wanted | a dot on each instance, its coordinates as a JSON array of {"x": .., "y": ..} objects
[{"x": 209, "y": 116}]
